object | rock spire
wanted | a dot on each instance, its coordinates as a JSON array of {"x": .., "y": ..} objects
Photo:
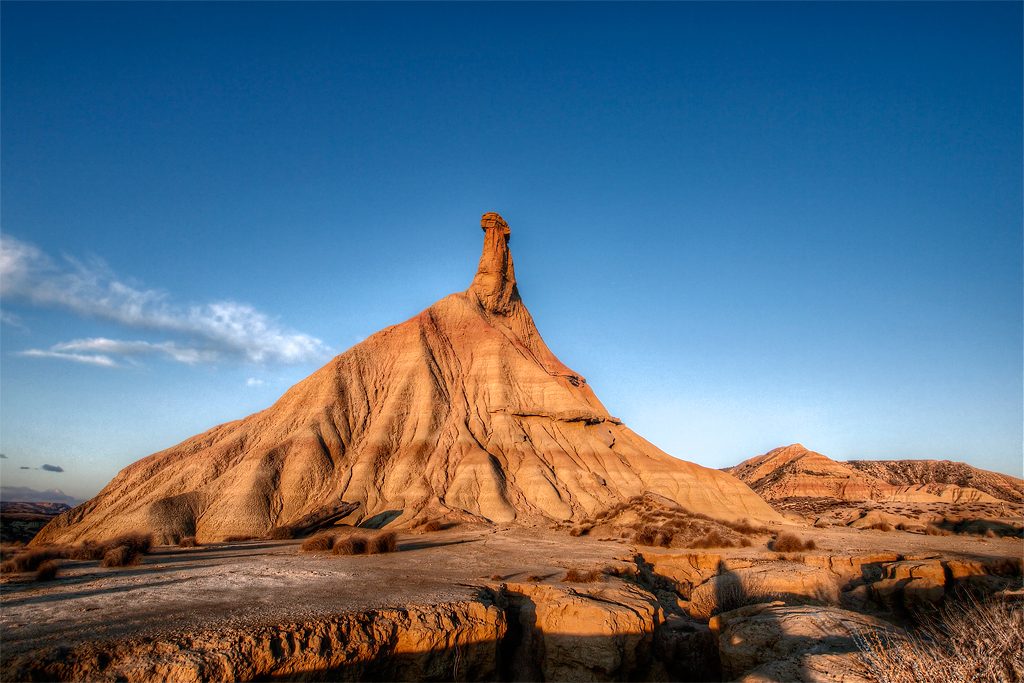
[{"x": 495, "y": 282}]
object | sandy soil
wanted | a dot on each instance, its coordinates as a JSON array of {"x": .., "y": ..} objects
[{"x": 261, "y": 582}]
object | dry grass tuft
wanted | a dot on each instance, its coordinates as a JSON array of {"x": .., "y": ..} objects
[
  {"x": 386, "y": 542},
  {"x": 318, "y": 543},
  {"x": 353, "y": 545},
  {"x": 933, "y": 530},
  {"x": 48, "y": 570},
  {"x": 188, "y": 542},
  {"x": 712, "y": 539},
  {"x": 136, "y": 544},
  {"x": 120, "y": 556},
  {"x": 581, "y": 576},
  {"x": 966, "y": 641},
  {"x": 431, "y": 525},
  {"x": 791, "y": 543},
  {"x": 533, "y": 578},
  {"x": 281, "y": 532},
  {"x": 31, "y": 559}
]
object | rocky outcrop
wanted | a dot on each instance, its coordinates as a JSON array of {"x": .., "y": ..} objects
[
  {"x": 457, "y": 641},
  {"x": 594, "y": 632},
  {"x": 943, "y": 477},
  {"x": 779, "y": 642},
  {"x": 793, "y": 582},
  {"x": 795, "y": 472},
  {"x": 461, "y": 412}
]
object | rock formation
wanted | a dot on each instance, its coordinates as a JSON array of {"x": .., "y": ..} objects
[
  {"x": 796, "y": 472},
  {"x": 943, "y": 475},
  {"x": 461, "y": 412}
]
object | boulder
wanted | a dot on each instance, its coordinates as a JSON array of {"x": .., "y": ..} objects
[{"x": 777, "y": 642}]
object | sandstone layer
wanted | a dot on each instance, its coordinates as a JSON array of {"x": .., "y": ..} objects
[
  {"x": 795, "y": 472},
  {"x": 460, "y": 412}
]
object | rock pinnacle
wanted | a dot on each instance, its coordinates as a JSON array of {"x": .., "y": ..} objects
[{"x": 495, "y": 282}]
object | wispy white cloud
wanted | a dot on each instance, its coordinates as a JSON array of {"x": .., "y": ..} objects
[
  {"x": 8, "y": 318},
  {"x": 127, "y": 348},
  {"x": 103, "y": 361},
  {"x": 254, "y": 382},
  {"x": 88, "y": 288}
]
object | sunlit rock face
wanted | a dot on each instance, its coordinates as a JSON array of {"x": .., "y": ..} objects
[{"x": 460, "y": 412}]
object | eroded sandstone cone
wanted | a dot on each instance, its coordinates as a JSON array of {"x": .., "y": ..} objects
[{"x": 460, "y": 412}]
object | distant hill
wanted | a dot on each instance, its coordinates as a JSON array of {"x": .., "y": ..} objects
[
  {"x": 24, "y": 494},
  {"x": 20, "y": 521},
  {"x": 796, "y": 472},
  {"x": 910, "y": 472}
]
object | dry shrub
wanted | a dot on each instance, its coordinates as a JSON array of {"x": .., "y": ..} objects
[
  {"x": 318, "y": 543},
  {"x": 120, "y": 556},
  {"x": 386, "y": 542},
  {"x": 581, "y": 530},
  {"x": 880, "y": 526},
  {"x": 30, "y": 560},
  {"x": 712, "y": 539},
  {"x": 188, "y": 542},
  {"x": 965, "y": 641},
  {"x": 48, "y": 570},
  {"x": 581, "y": 576},
  {"x": 431, "y": 525},
  {"x": 745, "y": 527},
  {"x": 533, "y": 578},
  {"x": 645, "y": 535},
  {"x": 933, "y": 530},
  {"x": 353, "y": 545},
  {"x": 279, "y": 533},
  {"x": 789, "y": 543},
  {"x": 731, "y": 593}
]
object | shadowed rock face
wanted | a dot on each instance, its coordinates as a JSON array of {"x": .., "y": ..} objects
[{"x": 460, "y": 412}]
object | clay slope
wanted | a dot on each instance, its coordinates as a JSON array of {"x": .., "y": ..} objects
[
  {"x": 461, "y": 411},
  {"x": 796, "y": 472},
  {"x": 939, "y": 474}
]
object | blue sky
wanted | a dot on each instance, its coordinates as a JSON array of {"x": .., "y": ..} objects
[{"x": 745, "y": 224}]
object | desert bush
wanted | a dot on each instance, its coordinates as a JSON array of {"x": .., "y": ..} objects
[
  {"x": 582, "y": 576},
  {"x": 281, "y": 532},
  {"x": 140, "y": 543},
  {"x": 319, "y": 543},
  {"x": 712, "y": 539},
  {"x": 789, "y": 543},
  {"x": 645, "y": 535},
  {"x": 731, "y": 593},
  {"x": 47, "y": 571},
  {"x": 352, "y": 545},
  {"x": 965, "y": 641},
  {"x": 533, "y": 578},
  {"x": 431, "y": 525},
  {"x": 933, "y": 530},
  {"x": 31, "y": 559},
  {"x": 120, "y": 556},
  {"x": 188, "y": 542},
  {"x": 745, "y": 527},
  {"x": 386, "y": 542},
  {"x": 581, "y": 530}
]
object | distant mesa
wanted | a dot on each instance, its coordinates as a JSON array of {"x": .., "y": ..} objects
[
  {"x": 795, "y": 472},
  {"x": 24, "y": 494},
  {"x": 460, "y": 412}
]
